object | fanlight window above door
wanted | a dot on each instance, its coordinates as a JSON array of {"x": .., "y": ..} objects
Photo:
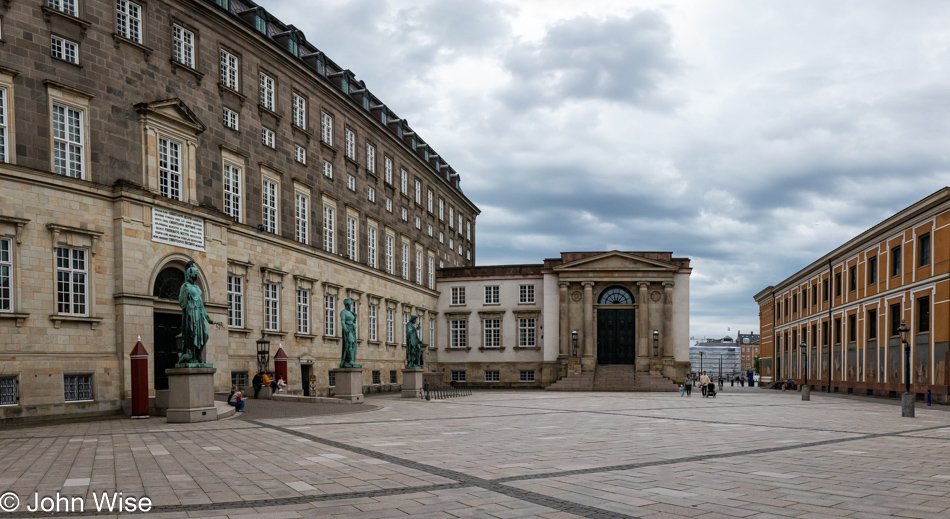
[
  {"x": 616, "y": 296},
  {"x": 168, "y": 283}
]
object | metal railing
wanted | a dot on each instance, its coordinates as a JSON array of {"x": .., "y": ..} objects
[{"x": 431, "y": 392}]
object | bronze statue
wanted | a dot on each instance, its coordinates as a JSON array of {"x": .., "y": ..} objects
[
  {"x": 348, "y": 325},
  {"x": 413, "y": 345},
  {"x": 194, "y": 321}
]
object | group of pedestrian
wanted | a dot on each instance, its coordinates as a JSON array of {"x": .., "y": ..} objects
[{"x": 738, "y": 380}]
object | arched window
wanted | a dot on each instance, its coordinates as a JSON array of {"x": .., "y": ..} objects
[
  {"x": 168, "y": 283},
  {"x": 616, "y": 296}
]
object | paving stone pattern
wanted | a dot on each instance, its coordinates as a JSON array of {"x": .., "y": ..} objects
[{"x": 508, "y": 454}]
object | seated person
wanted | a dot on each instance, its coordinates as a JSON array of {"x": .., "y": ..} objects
[{"x": 236, "y": 398}]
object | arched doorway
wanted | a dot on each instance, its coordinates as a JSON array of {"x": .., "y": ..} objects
[
  {"x": 616, "y": 327},
  {"x": 167, "y": 324}
]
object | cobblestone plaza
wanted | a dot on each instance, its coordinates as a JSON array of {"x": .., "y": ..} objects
[{"x": 748, "y": 453}]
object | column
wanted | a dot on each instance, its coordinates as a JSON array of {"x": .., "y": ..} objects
[
  {"x": 588, "y": 318},
  {"x": 643, "y": 340},
  {"x": 564, "y": 320},
  {"x": 668, "y": 319}
]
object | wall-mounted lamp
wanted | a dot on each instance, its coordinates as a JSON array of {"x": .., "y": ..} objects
[
  {"x": 656, "y": 343},
  {"x": 574, "y": 341}
]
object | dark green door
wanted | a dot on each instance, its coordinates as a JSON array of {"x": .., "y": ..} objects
[
  {"x": 167, "y": 326},
  {"x": 616, "y": 336}
]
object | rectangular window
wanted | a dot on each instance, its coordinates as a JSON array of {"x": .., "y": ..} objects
[
  {"x": 390, "y": 325},
  {"x": 824, "y": 286},
  {"x": 370, "y": 158},
  {"x": 418, "y": 223},
  {"x": 267, "y": 92},
  {"x": 300, "y": 111},
  {"x": 431, "y": 273},
  {"x": 458, "y": 296},
  {"x": 331, "y": 379},
  {"x": 267, "y": 138},
  {"x": 327, "y": 169},
  {"x": 492, "y": 376},
  {"x": 371, "y": 194},
  {"x": 326, "y": 128},
  {"x": 128, "y": 20},
  {"x": 229, "y": 70},
  {"x": 77, "y": 388},
  {"x": 375, "y": 377},
  {"x": 235, "y": 301},
  {"x": 429, "y": 230},
  {"x": 491, "y": 333},
  {"x": 388, "y": 166},
  {"x": 300, "y": 154},
  {"x": 852, "y": 328},
  {"x": 804, "y": 298},
  {"x": 872, "y": 270},
  {"x": 460, "y": 224},
  {"x": 71, "y": 283},
  {"x": 392, "y": 376},
  {"x": 303, "y": 312},
  {"x": 837, "y": 284},
  {"x": 183, "y": 46},
  {"x": 329, "y": 228},
  {"x": 350, "y": 144},
  {"x": 389, "y": 204},
  {"x": 418, "y": 191},
  {"x": 271, "y": 307},
  {"x": 371, "y": 247},
  {"x": 374, "y": 322},
  {"x": 67, "y": 6},
  {"x": 68, "y": 141},
  {"x": 896, "y": 261},
  {"x": 3, "y": 126},
  {"x": 451, "y": 217},
  {"x": 441, "y": 237},
  {"x": 418, "y": 267},
  {"x": 232, "y": 191},
  {"x": 526, "y": 333},
  {"x": 169, "y": 168},
  {"x": 432, "y": 333},
  {"x": 837, "y": 331},
  {"x": 9, "y": 391},
  {"x": 302, "y": 217},
  {"x": 269, "y": 209},
  {"x": 351, "y": 182},
  {"x": 923, "y": 250},
  {"x": 231, "y": 119},
  {"x": 240, "y": 379},
  {"x": 64, "y": 49},
  {"x": 6, "y": 275},
  {"x": 404, "y": 182},
  {"x": 389, "y": 254},
  {"x": 895, "y": 312},
  {"x": 429, "y": 201},
  {"x": 457, "y": 337},
  {"x": 468, "y": 231},
  {"x": 526, "y": 376},
  {"x": 405, "y": 215},
  {"x": 872, "y": 325},
  {"x": 329, "y": 306},
  {"x": 526, "y": 294},
  {"x": 923, "y": 315},
  {"x": 852, "y": 279},
  {"x": 441, "y": 210},
  {"x": 794, "y": 303},
  {"x": 491, "y": 295},
  {"x": 405, "y": 261},
  {"x": 458, "y": 376},
  {"x": 351, "y": 230}
]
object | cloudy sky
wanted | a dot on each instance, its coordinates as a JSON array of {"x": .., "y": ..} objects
[{"x": 752, "y": 137}]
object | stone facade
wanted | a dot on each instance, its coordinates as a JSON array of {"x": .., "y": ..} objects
[
  {"x": 836, "y": 321},
  {"x": 147, "y": 140},
  {"x": 579, "y": 295}
]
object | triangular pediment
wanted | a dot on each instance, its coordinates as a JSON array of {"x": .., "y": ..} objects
[
  {"x": 174, "y": 111},
  {"x": 617, "y": 261}
]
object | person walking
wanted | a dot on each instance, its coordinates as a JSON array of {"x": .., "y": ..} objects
[
  {"x": 688, "y": 385},
  {"x": 704, "y": 383},
  {"x": 721, "y": 383}
]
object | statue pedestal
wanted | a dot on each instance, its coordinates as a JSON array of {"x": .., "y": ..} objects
[
  {"x": 349, "y": 384},
  {"x": 412, "y": 383},
  {"x": 190, "y": 395}
]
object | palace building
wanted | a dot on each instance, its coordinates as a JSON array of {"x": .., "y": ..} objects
[
  {"x": 138, "y": 135},
  {"x": 836, "y": 321}
]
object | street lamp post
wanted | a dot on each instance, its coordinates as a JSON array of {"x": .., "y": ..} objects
[
  {"x": 700, "y": 362},
  {"x": 907, "y": 399},
  {"x": 263, "y": 354},
  {"x": 806, "y": 389}
]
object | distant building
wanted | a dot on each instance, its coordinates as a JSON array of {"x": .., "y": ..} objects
[
  {"x": 749, "y": 343},
  {"x": 716, "y": 357}
]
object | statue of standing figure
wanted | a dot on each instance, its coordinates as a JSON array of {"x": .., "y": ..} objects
[
  {"x": 348, "y": 325},
  {"x": 194, "y": 321},
  {"x": 413, "y": 345}
]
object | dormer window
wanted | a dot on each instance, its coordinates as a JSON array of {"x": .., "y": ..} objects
[
  {"x": 260, "y": 21},
  {"x": 293, "y": 44}
]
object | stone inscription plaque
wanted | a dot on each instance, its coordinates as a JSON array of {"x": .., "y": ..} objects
[{"x": 178, "y": 229}]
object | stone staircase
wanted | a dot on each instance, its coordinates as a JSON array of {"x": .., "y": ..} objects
[
  {"x": 580, "y": 382},
  {"x": 624, "y": 378}
]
